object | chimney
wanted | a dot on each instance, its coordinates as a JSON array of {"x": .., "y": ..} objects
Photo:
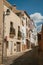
[{"x": 14, "y": 6}]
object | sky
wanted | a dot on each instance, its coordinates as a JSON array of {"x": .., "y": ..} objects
[{"x": 33, "y": 7}]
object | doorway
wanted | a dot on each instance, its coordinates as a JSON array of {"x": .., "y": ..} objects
[
  {"x": 11, "y": 47},
  {"x": 27, "y": 43},
  {"x": 18, "y": 46}
]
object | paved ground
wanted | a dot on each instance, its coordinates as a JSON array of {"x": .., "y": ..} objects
[
  {"x": 33, "y": 57},
  {"x": 9, "y": 60}
]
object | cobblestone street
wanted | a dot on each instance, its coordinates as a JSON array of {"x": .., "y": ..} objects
[
  {"x": 9, "y": 60},
  {"x": 33, "y": 57}
]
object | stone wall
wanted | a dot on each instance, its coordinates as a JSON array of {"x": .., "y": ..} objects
[{"x": 1, "y": 29}]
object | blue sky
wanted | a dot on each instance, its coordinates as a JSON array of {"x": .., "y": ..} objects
[{"x": 33, "y": 7}]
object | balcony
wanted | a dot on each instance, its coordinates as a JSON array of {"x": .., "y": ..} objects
[{"x": 11, "y": 35}]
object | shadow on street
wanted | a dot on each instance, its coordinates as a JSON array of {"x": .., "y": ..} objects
[{"x": 33, "y": 57}]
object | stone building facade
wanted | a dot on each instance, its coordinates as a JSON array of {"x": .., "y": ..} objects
[
  {"x": 16, "y": 43},
  {"x": 16, "y": 30},
  {"x": 1, "y": 29},
  {"x": 12, "y": 34}
]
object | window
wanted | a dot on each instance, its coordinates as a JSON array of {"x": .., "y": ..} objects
[
  {"x": 14, "y": 49},
  {"x": 19, "y": 33},
  {"x": 14, "y": 44},
  {"x": 26, "y": 22},
  {"x": 11, "y": 24},
  {"x": 0, "y": 43},
  {"x": 23, "y": 18},
  {"x": 12, "y": 30},
  {"x": 11, "y": 27},
  {"x": 6, "y": 44},
  {"x": 22, "y": 23},
  {"x": 29, "y": 23},
  {"x": 29, "y": 35},
  {"x": 26, "y": 32}
]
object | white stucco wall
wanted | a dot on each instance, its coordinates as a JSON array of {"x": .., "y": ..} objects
[
  {"x": 32, "y": 34},
  {"x": 33, "y": 37}
]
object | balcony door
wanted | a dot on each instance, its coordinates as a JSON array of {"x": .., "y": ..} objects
[{"x": 18, "y": 47}]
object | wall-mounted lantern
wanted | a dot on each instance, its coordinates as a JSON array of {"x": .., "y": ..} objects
[{"x": 7, "y": 12}]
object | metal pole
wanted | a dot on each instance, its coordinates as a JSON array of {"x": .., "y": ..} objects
[{"x": 8, "y": 12}]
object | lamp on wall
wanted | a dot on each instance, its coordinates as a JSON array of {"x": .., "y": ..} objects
[{"x": 7, "y": 12}]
